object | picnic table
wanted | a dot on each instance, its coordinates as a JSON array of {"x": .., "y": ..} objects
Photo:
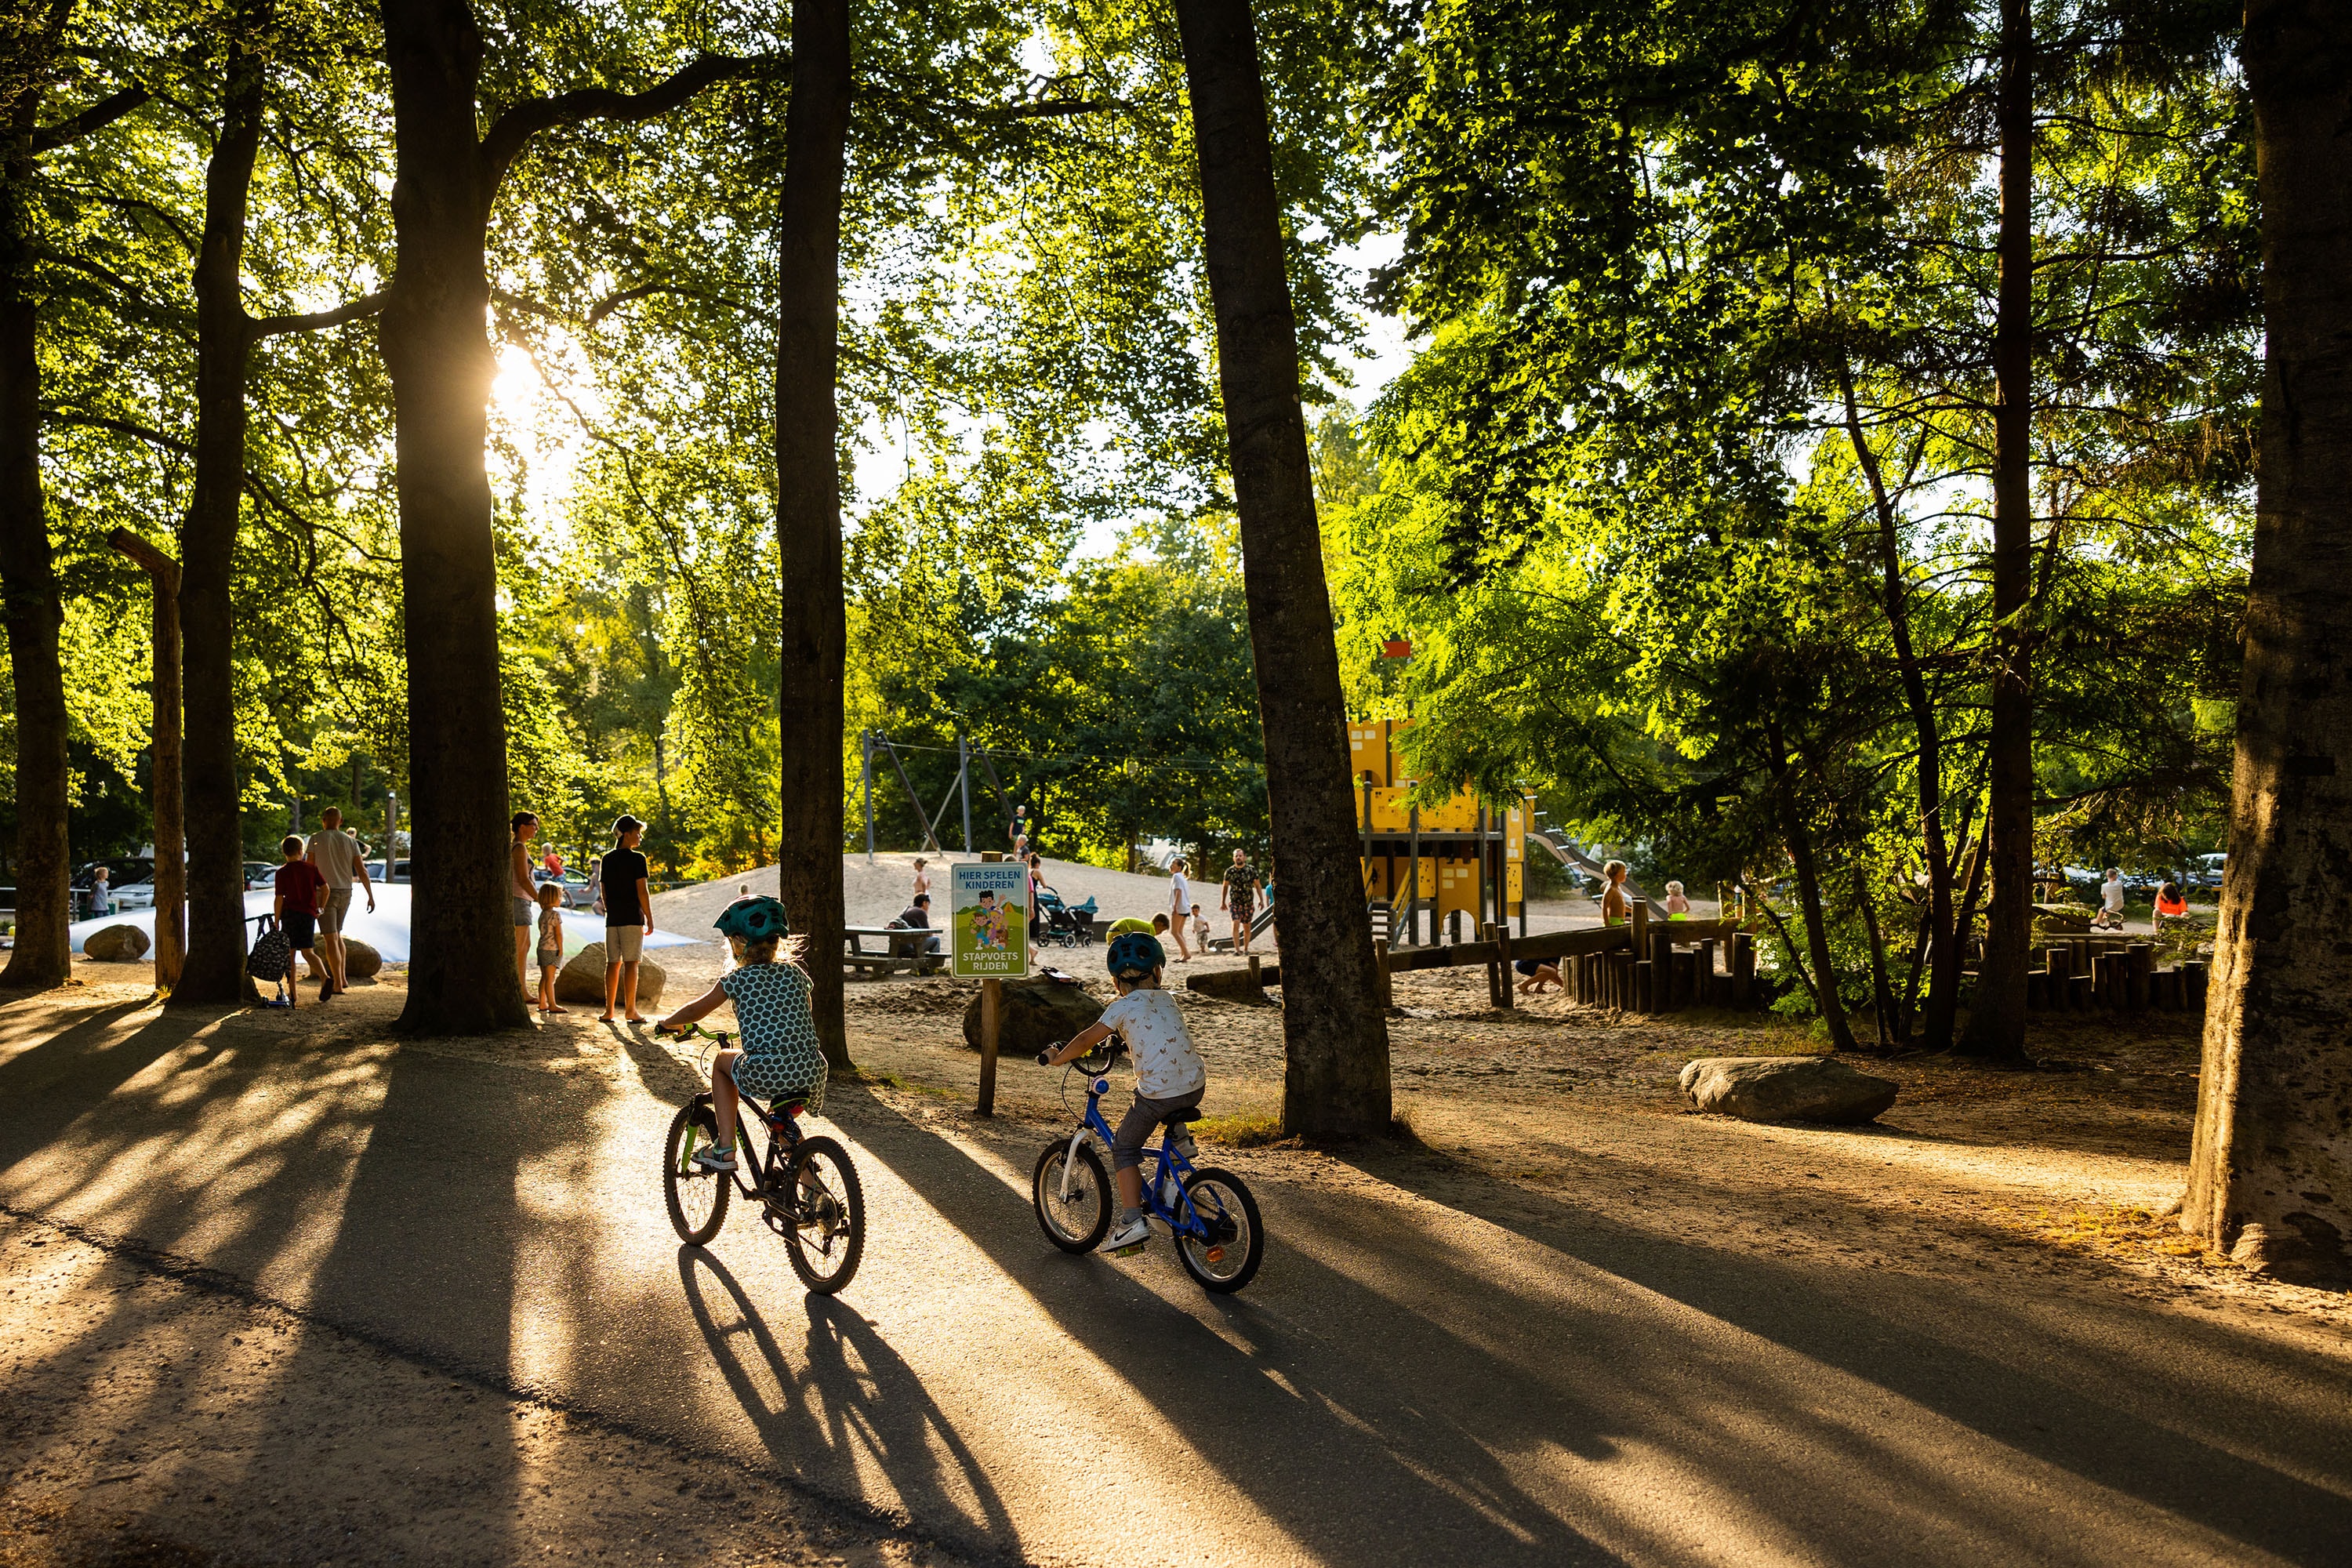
[{"x": 902, "y": 947}]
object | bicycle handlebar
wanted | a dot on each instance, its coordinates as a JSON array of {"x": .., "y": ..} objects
[{"x": 688, "y": 1031}]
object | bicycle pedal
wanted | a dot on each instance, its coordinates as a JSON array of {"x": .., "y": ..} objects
[{"x": 1130, "y": 1249}]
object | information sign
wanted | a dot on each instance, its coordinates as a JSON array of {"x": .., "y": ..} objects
[{"x": 988, "y": 927}]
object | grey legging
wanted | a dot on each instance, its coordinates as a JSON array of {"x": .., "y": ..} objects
[{"x": 1127, "y": 1144}]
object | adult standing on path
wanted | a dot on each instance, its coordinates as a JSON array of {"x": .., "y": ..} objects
[
  {"x": 922, "y": 880},
  {"x": 523, "y": 890},
  {"x": 336, "y": 854},
  {"x": 1240, "y": 897},
  {"x": 102, "y": 896},
  {"x": 1180, "y": 908},
  {"x": 628, "y": 914}
]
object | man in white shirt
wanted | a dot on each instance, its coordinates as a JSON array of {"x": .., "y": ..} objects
[{"x": 338, "y": 857}]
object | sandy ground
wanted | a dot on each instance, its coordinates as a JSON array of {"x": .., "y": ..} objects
[
  {"x": 161, "y": 1415},
  {"x": 165, "y": 1418}
]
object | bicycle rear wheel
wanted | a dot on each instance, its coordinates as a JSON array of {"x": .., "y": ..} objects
[
  {"x": 696, "y": 1198},
  {"x": 1078, "y": 1223},
  {"x": 826, "y": 1236},
  {"x": 1227, "y": 1259}
]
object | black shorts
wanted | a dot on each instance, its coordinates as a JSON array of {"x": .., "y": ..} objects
[
  {"x": 1528, "y": 966},
  {"x": 302, "y": 930}
]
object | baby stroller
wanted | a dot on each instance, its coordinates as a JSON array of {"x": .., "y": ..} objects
[{"x": 1072, "y": 925}]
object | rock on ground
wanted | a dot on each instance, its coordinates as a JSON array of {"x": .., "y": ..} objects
[
  {"x": 1786, "y": 1088},
  {"x": 1037, "y": 1014},
  {"x": 362, "y": 962},
  {"x": 583, "y": 979},
  {"x": 116, "y": 945}
]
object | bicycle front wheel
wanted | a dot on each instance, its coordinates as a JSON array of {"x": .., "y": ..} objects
[
  {"x": 1079, "y": 1222},
  {"x": 696, "y": 1198},
  {"x": 828, "y": 1234},
  {"x": 1227, "y": 1258}
]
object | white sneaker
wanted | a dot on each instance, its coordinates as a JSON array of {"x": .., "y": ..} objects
[
  {"x": 711, "y": 1157},
  {"x": 1129, "y": 1237}
]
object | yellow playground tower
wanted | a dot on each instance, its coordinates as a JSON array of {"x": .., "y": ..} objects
[{"x": 1464, "y": 856}]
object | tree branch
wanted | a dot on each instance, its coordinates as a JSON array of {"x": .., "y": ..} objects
[
  {"x": 121, "y": 428},
  {"x": 316, "y": 320},
  {"x": 104, "y": 112},
  {"x": 518, "y": 125}
]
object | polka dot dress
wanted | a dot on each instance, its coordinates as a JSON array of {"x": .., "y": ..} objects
[{"x": 782, "y": 1059}]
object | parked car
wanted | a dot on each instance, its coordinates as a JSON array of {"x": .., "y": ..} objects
[
  {"x": 399, "y": 870},
  {"x": 574, "y": 885},
  {"x": 260, "y": 876},
  {"x": 121, "y": 870},
  {"x": 2205, "y": 870}
]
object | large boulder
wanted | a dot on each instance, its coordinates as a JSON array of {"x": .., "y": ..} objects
[
  {"x": 583, "y": 979},
  {"x": 1037, "y": 1012},
  {"x": 1786, "y": 1088},
  {"x": 360, "y": 962},
  {"x": 116, "y": 945}
]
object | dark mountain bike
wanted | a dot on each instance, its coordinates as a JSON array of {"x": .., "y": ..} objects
[{"x": 804, "y": 1183}]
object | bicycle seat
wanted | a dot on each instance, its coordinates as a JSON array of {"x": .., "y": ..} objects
[{"x": 1178, "y": 1118}]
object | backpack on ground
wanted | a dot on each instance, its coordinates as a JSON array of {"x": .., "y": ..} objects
[{"x": 271, "y": 955}]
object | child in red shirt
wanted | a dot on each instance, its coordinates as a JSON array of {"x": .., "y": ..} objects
[{"x": 299, "y": 884}]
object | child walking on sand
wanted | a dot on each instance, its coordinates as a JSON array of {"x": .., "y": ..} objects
[{"x": 551, "y": 944}]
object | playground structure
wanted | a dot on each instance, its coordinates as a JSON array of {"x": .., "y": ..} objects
[{"x": 1446, "y": 861}]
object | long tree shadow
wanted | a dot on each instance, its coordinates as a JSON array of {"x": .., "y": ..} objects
[
  {"x": 855, "y": 1396},
  {"x": 2188, "y": 1415},
  {"x": 1355, "y": 1460},
  {"x": 48, "y": 1083}
]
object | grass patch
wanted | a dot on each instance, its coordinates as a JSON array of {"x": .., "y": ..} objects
[{"x": 1243, "y": 1132}]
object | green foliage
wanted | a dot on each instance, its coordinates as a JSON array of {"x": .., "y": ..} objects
[{"x": 1690, "y": 486}]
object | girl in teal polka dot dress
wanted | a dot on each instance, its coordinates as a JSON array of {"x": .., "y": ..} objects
[{"x": 780, "y": 1059}]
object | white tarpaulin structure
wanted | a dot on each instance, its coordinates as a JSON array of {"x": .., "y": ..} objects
[{"x": 386, "y": 930}]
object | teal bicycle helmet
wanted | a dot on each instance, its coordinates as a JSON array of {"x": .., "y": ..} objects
[
  {"x": 1134, "y": 952},
  {"x": 754, "y": 920}
]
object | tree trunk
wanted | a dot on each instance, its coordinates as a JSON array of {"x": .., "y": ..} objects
[
  {"x": 1997, "y": 1017},
  {"x": 33, "y": 611},
  {"x": 215, "y": 971},
  {"x": 171, "y": 838},
  {"x": 2271, "y": 1168},
  {"x": 1336, "y": 1079},
  {"x": 1809, "y": 891},
  {"x": 461, "y": 977},
  {"x": 1943, "y": 938},
  {"x": 814, "y": 629}
]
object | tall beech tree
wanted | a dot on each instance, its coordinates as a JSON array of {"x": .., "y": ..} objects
[
  {"x": 1997, "y": 1017},
  {"x": 437, "y": 351},
  {"x": 30, "y": 33},
  {"x": 813, "y": 641},
  {"x": 2271, "y": 1169},
  {"x": 214, "y": 970},
  {"x": 1334, "y": 1037}
]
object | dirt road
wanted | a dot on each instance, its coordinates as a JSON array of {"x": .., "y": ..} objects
[{"x": 1563, "y": 1324}]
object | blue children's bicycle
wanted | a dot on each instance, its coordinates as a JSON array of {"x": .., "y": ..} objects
[{"x": 1219, "y": 1237}]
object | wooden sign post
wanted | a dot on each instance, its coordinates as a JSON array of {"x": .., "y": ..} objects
[
  {"x": 992, "y": 1012},
  {"x": 988, "y": 940}
]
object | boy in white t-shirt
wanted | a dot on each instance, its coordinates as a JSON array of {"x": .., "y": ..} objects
[{"x": 1170, "y": 1075}]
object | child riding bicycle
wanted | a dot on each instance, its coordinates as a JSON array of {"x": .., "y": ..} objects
[
  {"x": 780, "y": 1059},
  {"x": 1170, "y": 1075}
]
